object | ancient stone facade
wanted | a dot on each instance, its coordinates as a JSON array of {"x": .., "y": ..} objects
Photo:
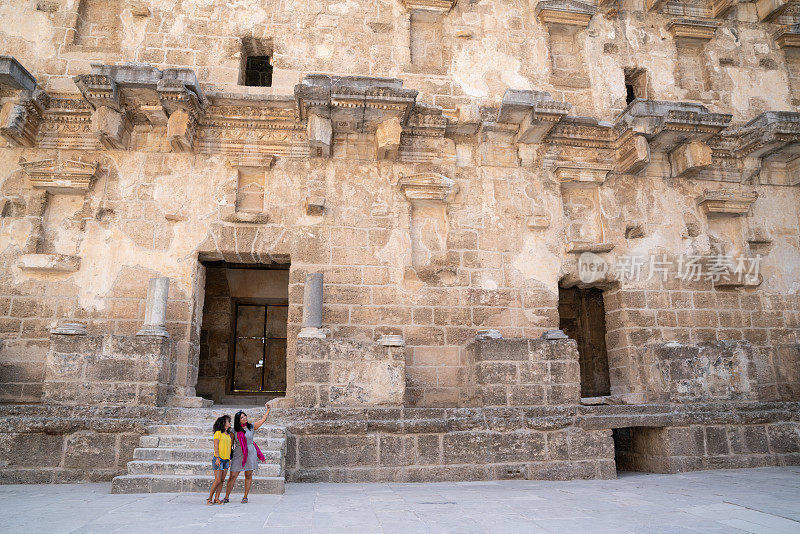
[{"x": 443, "y": 168}]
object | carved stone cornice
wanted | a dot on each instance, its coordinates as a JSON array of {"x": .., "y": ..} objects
[
  {"x": 726, "y": 201},
  {"x": 535, "y": 112},
  {"x": 60, "y": 175},
  {"x": 566, "y": 12},
  {"x": 21, "y": 115},
  {"x": 632, "y": 154},
  {"x": 436, "y": 6},
  {"x": 427, "y": 187},
  {"x": 137, "y": 93},
  {"x": 772, "y": 134},
  {"x": 570, "y": 174},
  {"x": 698, "y": 29},
  {"x": 667, "y": 125},
  {"x": 584, "y": 132},
  {"x": 788, "y": 36}
]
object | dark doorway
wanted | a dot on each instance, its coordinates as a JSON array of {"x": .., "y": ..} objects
[
  {"x": 582, "y": 317},
  {"x": 259, "y": 353},
  {"x": 243, "y": 332}
]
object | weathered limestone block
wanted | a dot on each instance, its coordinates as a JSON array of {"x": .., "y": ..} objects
[
  {"x": 689, "y": 159},
  {"x": 768, "y": 10},
  {"x": 112, "y": 128},
  {"x": 567, "y": 12},
  {"x": 719, "y": 370},
  {"x": 320, "y": 134},
  {"x": 633, "y": 154},
  {"x": 181, "y": 128},
  {"x": 107, "y": 370},
  {"x": 60, "y": 175},
  {"x": 347, "y": 372},
  {"x": 522, "y": 372},
  {"x": 49, "y": 263},
  {"x": 726, "y": 202},
  {"x": 387, "y": 139}
]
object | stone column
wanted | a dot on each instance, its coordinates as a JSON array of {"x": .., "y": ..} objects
[
  {"x": 155, "y": 315},
  {"x": 312, "y": 307}
]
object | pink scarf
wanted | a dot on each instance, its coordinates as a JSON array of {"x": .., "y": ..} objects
[{"x": 243, "y": 444}]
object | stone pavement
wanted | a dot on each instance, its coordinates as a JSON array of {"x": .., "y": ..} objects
[{"x": 752, "y": 500}]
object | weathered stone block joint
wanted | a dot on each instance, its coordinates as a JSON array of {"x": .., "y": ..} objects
[{"x": 414, "y": 221}]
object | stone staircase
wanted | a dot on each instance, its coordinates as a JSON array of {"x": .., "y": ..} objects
[{"x": 177, "y": 458}]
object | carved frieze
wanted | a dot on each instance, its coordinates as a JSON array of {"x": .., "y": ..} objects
[{"x": 693, "y": 28}]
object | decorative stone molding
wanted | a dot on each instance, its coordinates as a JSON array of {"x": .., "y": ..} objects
[
  {"x": 259, "y": 161},
  {"x": 49, "y": 263},
  {"x": 21, "y": 116},
  {"x": 535, "y": 112},
  {"x": 726, "y": 201},
  {"x": 578, "y": 247},
  {"x": 437, "y": 6},
  {"x": 427, "y": 187},
  {"x": 666, "y": 125},
  {"x": 123, "y": 95},
  {"x": 60, "y": 176},
  {"x": 579, "y": 174},
  {"x": 788, "y": 36},
  {"x": 693, "y": 28},
  {"x": 567, "y": 12}
]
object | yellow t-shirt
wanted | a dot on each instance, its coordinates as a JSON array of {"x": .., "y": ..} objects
[{"x": 224, "y": 445}]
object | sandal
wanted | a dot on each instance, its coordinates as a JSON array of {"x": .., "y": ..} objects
[
  {"x": 225, "y": 501},
  {"x": 217, "y": 501},
  {"x": 208, "y": 502},
  {"x": 244, "y": 500}
]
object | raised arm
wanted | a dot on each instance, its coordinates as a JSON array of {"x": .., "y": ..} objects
[{"x": 263, "y": 420}]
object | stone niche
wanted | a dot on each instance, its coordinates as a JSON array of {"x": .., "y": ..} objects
[
  {"x": 523, "y": 372},
  {"x": 717, "y": 370},
  {"x": 107, "y": 370},
  {"x": 348, "y": 372},
  {"x": 428, "y": 195}
]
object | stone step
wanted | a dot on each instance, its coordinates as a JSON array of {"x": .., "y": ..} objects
[
  {"x": 189, "y": 402},
  {"x": 191, "y": 455},
  {"x": 190, "y": 484},
  {"x": 197, "y": 442},
  {"x": 202, "y": 429},
  {"x": 209, "y": 415},
  {"x": 160, "y": 467}
]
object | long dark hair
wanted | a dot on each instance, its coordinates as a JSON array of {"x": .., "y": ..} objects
[
  {"x": 237, "y": 422},
  {"x": 219, "y": 424}
]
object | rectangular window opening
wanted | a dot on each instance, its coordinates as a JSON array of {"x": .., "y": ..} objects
[{"x": 256, "y": 67}]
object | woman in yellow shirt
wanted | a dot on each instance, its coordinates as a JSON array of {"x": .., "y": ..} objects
[{"x": 222, "y": 456}]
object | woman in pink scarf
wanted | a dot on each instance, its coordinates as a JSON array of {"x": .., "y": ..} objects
[{"x": 246, "y": 453}]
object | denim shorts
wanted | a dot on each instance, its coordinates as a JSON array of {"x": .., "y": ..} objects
[{"x": 223, "y": 464}]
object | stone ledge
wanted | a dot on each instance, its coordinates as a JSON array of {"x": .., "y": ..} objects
[{"x": 49, "y": 263}]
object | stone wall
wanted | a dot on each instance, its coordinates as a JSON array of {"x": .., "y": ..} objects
[
  {"x": 61, "y": 444},
  {"x": 468, "y": 216},
  {"x": 342, "y": 372},
  {"x": 108, "y": 370},
  {"x": 426, "y": 445},
  {"x": 523, "y": 372},
  {"x": 697, "y": 447}
]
